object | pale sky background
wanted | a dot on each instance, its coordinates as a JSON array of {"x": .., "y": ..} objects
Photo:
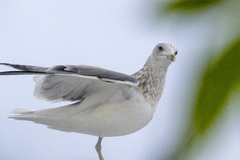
[{"x": 119, "y": 35}]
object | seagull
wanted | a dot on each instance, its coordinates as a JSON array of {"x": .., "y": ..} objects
[{"x": 105, "y": 103}]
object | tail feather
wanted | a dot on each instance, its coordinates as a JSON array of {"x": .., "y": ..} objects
[
  {"x": 21, "y": 111},
  {"x": 49, "y": 117},
  {"x": 22, "y": 114}
]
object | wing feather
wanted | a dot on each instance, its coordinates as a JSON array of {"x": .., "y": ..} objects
[{"x": 70, "y": 83}]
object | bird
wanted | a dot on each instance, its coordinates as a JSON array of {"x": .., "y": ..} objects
[{"x": 104, "y": 103}]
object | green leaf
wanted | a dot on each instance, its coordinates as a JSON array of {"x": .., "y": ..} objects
[
  {"x": 218, "y": 82},
  {"x": 192, "y": 4}
]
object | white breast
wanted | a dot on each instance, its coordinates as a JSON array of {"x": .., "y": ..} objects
[{"x": 113, "y": 119}]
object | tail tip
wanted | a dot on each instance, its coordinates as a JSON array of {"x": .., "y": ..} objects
[{"x": 21, "y": 111}]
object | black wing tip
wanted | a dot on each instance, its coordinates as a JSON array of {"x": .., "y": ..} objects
[
  {"x": 21, "y": 73},
  {"x": 8, "y": 72},
  {"x": 16, "y": 66},
  {"x": 23, "y": 70},
  {"x": 6, "y": 64}
]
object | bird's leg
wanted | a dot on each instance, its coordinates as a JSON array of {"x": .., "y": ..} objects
[{"x": 98, "y": 148}]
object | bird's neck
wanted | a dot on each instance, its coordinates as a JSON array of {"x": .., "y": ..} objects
[{"x": 151, "y": 82}]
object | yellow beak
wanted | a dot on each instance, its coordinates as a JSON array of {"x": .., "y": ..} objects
[{"x": 172, "y": 57}]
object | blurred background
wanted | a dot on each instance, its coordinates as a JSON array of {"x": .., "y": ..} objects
[{"x": 198, "y": 114}]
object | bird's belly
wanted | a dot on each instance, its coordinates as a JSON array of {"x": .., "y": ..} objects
[{"x": 112, "y": 119}]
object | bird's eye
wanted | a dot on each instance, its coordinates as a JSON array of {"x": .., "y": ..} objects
[
  {"x": 176, "y": 53},
  {"x": 160, "y": 48}
]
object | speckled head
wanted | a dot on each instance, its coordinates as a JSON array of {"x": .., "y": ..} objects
[{"x": 152, "y": 75}]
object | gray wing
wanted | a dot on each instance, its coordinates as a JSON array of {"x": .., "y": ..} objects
[{"x": 71, "y": 82}]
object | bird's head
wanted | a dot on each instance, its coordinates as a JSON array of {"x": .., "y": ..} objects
[{"x": 164, "y": 53}]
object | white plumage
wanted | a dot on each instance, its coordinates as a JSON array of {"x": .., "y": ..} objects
[{"x": 105, "y": 103}]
